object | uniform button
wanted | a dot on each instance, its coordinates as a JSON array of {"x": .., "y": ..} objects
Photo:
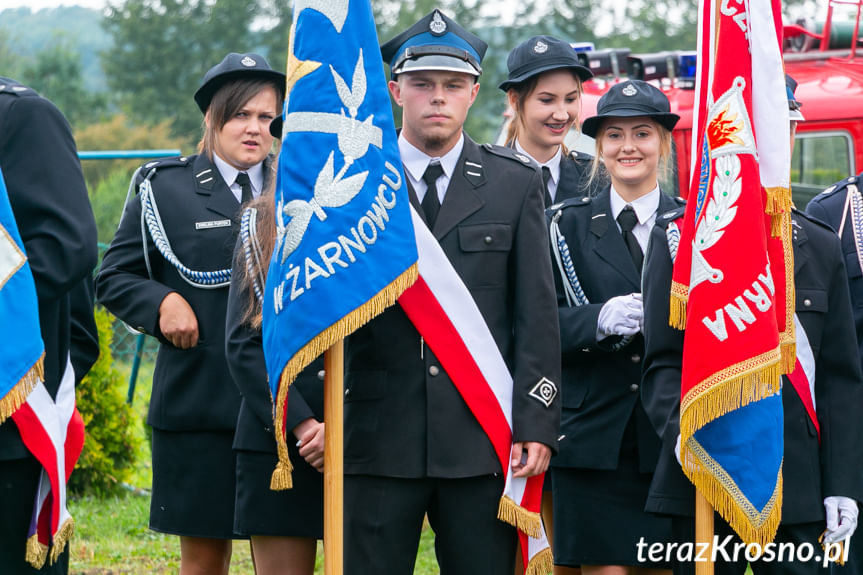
[
  {"x": 487, "y": 239},
  {"x": 347, "y": 392},
  {"x": 633, "y": 387},
  {"x": 807, "y": 302},
  {"x": 434, "y": 370},
  {"x": 635, "y": 358},
  {"x": 321, "y": 374},
  {"x": 141, "y": 329}
]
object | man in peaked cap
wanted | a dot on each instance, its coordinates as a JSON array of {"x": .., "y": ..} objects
[{"x": 412, "y": 445}]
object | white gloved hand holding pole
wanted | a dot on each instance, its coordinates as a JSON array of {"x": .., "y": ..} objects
[{"x": 621, "y": 315}]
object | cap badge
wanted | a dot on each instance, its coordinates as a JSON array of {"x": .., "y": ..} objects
[
  {"x": 437, "y": 26},
  {"x": 248, "y": 62},
  {"x": 540, "y": 47},
  {"x": 629, "y": 90}
]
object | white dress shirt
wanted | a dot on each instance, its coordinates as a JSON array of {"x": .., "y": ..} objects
[
  {"x": 229, "y": 174},
  {"x": 645, "y": 209},
  {"x": 553, "y": 166},
  {"x": 416, "y": 161}
]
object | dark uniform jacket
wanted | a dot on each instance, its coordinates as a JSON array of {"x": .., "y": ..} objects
[
  {"x": 245, "y": 354},
  {"x": 403, "y": 415},
  {"x": 192, "y": 388},
  {"x": 574, "y": 180},
  {"x": 600, "y": 385},
  {"x": 810, "y": 472},
  {"x": 48, "y": 195},
  {"x": 828, "y": 207}
]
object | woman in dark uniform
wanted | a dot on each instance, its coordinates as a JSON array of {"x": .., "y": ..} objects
[
  {"x": 166, "y": 273},
  {"x": 283, "y": 525},
  {"x": 544, "y": 93},
  {"x": 609, "y": 450}
]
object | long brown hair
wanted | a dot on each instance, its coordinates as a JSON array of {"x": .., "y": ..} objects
[
  {"x": 226, "y": 102},
  {"x": 266, "y": 236},
  {"x": 517, "y": 95}
]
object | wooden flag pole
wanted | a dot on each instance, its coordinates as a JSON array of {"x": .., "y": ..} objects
[
  {"x": 703, "y": 532},
  {"x": 334, "y": 366}
]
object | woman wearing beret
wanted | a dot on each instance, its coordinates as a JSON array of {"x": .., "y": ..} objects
[
  {"x": 283, "y": 525},
  {"x": 544, "y": 93},
  {"x": 600, "y": 477},
  {"x": 166, "y": 274}
]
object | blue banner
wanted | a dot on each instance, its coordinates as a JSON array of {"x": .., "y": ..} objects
[
  {"x": 345, "y": 246},
  {"x": 22, "y": 351}
]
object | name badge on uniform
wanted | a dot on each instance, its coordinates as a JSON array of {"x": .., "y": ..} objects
[{"x": 213, "y": 224}]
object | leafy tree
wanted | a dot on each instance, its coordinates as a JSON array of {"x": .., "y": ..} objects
[
  {"x": 162, "y": 49},
  {"x": 56, "y": 74}
]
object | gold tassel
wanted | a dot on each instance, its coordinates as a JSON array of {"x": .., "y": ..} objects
[
  {"x": 16, "y": 396},
  {"x": 778, "y": 201},
  {"x": 788, "y": 350},
  {"x": 776, "y": 223},
  {"x": 677, "y": 305},
  {"x": 514, "y": 514},
  {"x": 760, "y": 529},
  {"x": 322, "y": 342},
  {"x": 730, "y": 389},
  {"x": 61, "y": 538},
  {"x": 36, "y": 553},
  {"x": 282, "y": 477},
  {"x": 540, "y": 564}
]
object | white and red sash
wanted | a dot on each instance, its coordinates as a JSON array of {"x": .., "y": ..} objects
[
  {"x": 444, "y": 312},
  {"x": 53, "y": 431}
]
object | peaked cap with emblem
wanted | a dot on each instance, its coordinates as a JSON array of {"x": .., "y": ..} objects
[
  {"x": 233, "y": 67},
  {"x": 632, "y": 99},
  {"x": 541, "y": 54},
  {"x": 436, "y": 42}
]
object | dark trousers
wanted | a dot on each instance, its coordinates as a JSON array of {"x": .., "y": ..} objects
[
  {"x": 18, "y": 481},
  {"x": 802, "y": 535},
  {"x": 384, "y": 518}
]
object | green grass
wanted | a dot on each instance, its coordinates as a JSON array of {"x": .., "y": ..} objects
[{"x": 112, "y": 537}]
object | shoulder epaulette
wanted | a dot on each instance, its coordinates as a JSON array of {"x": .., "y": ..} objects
[
  {"x": 580, "y": 156},
  {"x": 511, "y": 154},
  {"x": 570, "y": 203},
  {"x": 165, "y": 163},
  {"x": 663, "y": 219},
  {"x": 14, "y": 88},
  {"x": 840, "y": 185},
  {"x": 812, "y": 219}
]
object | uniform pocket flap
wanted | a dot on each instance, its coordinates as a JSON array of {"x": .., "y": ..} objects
[
  {"x": 485, "y": 238},
  {"x": 811, "y": 300}
]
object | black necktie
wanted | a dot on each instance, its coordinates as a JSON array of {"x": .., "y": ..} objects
[
  {"x": 627, "y": 220},
  {"x": 546, "y": 179},
  {"x": 245, "y": 185},
  {"x": 431, "y": 202}
]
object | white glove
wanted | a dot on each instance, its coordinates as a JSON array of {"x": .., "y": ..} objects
[
  {"x": 841, "y": 518},
  {"x": 621, "y": 315},
  {"x": 677, "y": 450}
]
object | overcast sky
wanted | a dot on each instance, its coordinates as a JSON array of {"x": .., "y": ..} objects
[{"x": 39, "y": 4}]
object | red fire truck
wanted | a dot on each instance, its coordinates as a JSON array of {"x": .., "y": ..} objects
[{"x": 822, "y": 57}]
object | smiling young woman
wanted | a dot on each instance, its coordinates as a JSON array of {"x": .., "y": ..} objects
[
  {"x": 544, "y": 92},
  {"x": 610, "y": 450}
]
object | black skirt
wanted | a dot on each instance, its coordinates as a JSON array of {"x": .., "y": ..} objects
[
  {"x": 296, "y": 512},
  {"x": 599, "y": 515},
  {"x": 193, "y": 483}
]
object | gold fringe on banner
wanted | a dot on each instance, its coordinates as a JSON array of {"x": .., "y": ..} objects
[
  {"x": 528, "y": 522},
  {"x": 788, "y": 338},
  {"x": 778, "y": 201},
  {"x": 36, "y": 553},
  {"x": 677, "y": 305},
  {"x": 16, "y": 396},
  {"x": 282, "y": 477},
  {"x": 729, "y": 389},
  {"x": 61, "y": 539},
  {"x": 540, "y": 564},
  {"x": 726, "y": 499},
  {"x": 322, "y": 342}
]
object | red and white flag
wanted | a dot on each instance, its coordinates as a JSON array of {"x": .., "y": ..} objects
[{"x": 444, "y": 312}]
